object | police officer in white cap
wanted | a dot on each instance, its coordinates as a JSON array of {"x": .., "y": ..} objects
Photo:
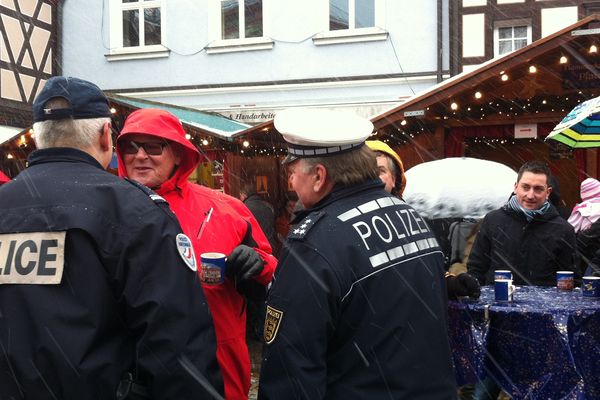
[{"x": 357, "y": 309}]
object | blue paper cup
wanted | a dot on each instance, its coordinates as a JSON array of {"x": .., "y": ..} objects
[
  {"x": 212, "y": 268},
  {"x": 503, "y": 290},
  {"x": 565, "y": 280},
  {"x": 502, "y": 274},
  {"x": 590, "y": 287}
]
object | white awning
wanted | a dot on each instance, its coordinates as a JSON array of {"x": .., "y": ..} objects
[{"x": 8, "y": 132}]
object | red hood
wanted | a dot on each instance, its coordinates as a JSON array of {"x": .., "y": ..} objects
[{"x": 162, "y": 124}]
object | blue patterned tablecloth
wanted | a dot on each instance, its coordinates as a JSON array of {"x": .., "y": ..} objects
[{"x": 543, "y": 345}]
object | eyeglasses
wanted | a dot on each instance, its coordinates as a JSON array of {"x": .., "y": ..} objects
[{"x": 151, "y": 148}]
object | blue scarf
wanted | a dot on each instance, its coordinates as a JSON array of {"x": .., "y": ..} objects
[{"x": 514, "y": 205}]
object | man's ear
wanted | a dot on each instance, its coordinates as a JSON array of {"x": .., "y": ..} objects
[
  {"x": 106, "y": 137},
  {"x": 320, "y": 178}
]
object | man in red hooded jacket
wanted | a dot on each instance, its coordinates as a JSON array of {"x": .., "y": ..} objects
[{"x": 152, "y": 149}]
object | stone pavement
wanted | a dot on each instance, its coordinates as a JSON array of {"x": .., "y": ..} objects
[{"x": 255, "y": 350}]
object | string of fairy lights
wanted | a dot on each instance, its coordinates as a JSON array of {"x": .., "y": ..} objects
[{"x": 471, "y": 107}]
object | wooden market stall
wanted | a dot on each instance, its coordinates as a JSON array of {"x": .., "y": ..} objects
[{"x": 503, "y": 110}]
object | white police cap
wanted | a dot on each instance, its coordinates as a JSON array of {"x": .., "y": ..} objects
[{"x": 313, "y": 132}]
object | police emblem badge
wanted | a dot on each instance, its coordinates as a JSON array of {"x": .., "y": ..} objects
[
  {"x": 186, "y": 251},
  {"x": 273, "y": 318}
]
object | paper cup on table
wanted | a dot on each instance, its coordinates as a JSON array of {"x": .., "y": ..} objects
[
  {"x": 503, "y": 290},
  {"x": 565, "y": 280},
  {"x": 590, "y": 287},
  {"x": 212, "y": 268}
]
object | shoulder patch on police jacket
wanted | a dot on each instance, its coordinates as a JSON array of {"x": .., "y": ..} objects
[
  {"x": 186, "y": 251},
  {"x": 273, "y": 319},
  {"x": 34, "y": 258},
  {"x": 301, "y": 229}
]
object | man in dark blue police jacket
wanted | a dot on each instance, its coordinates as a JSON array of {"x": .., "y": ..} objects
[
  {"x": 357, "y": 309},
  {"x": 99, "y": 298}
]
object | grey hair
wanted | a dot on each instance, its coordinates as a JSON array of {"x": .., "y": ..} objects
[
  {"x": 77, "y": 133},
  {"x": 348, "y": 168}
]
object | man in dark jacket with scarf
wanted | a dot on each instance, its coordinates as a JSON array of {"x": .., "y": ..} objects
[{"x": 526, "y": 236}]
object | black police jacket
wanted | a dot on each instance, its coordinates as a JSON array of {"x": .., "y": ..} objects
[
  {"x": 125, "y": 300},
  {"x": 357, "y": 309}
]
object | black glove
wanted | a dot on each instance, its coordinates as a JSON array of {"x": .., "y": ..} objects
[
  {"x": 462, "y": 285},
  {"x": 242, "y": 264}
]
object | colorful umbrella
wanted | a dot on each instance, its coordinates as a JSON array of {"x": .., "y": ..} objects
[{"x": 581, "y": 127}]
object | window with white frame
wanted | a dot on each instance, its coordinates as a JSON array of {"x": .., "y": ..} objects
[
  {"x": 241, "y": 19},
  {"x": 351, "y": 14},
  {"x": 510, "y": 36},
  {"x": 137, "y": 29},
  {"x": 141, "y": 22}
]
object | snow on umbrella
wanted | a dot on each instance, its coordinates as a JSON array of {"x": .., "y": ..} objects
[
  {"x": 458, "y": 187},
  {"x": 580, "y": 128}
]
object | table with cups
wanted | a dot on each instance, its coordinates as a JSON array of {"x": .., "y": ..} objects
[{"x": 536, "y": 342}]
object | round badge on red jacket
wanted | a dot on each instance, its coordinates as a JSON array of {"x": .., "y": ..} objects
[{"x": 186, "y": 251}]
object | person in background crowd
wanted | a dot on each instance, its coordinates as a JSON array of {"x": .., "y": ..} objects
[
  {"x": 585, "y": 219},
  {"x": 555, "y": 198},
  {"x": 460, "y": 265},
  {"x": 153, "y": 150},
  {"x": 391, "y": 173},
  {"x": 526, "y": 236},
  {"x": 357, "y": 309},
  {"x": 98, "y": 295},
  {"x": 261, "y": 209},
  {"x": 282, "y": 223},
  {"x": 390, "y": 167},
  {"x": 265, "y": 215},
  {"x": 593, "y": 267}
]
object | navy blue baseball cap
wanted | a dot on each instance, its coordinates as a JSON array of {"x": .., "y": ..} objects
[{"x": 85, "y": 99}]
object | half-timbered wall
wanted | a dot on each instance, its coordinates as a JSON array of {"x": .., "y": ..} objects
[
  {"x": 28, "y": 46},
  {"x": 484, "y": 29}
]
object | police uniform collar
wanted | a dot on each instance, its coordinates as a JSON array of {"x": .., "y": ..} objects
[
  {"x": 61, "y": 154},
  {"x": 337, "y": 193}
]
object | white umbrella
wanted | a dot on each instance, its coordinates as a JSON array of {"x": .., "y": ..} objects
[{"x": 458, "y": 187}]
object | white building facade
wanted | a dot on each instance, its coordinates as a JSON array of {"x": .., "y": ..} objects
[{"x": 247, "y": 59}]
